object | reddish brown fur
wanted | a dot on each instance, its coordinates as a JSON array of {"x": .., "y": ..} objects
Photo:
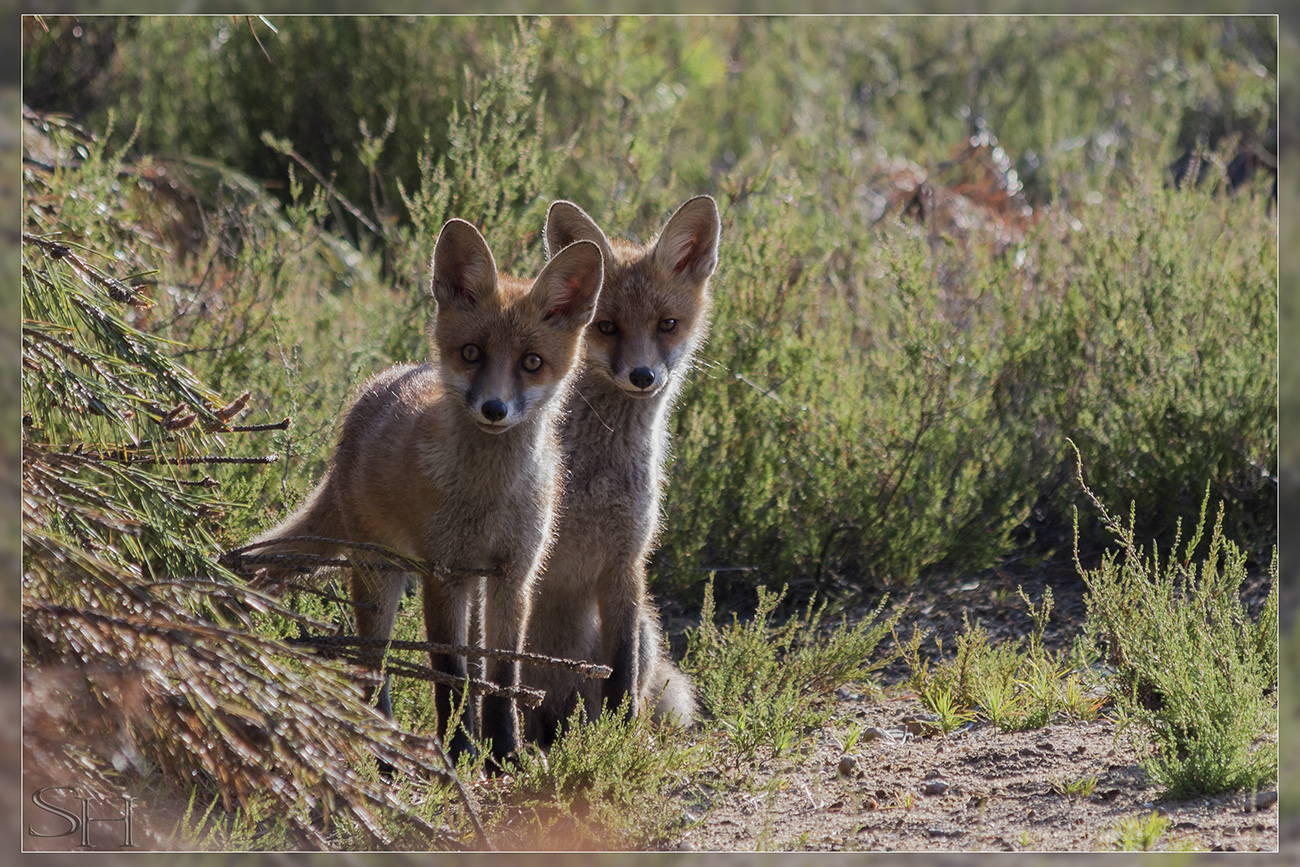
[
  {"x": 592, "y": 601},
  {"x": 425, "y": 465}
]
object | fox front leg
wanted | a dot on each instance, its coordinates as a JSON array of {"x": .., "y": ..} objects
[
  {"x": 447, "y": 610},
  {"x": 621, "y": 636},
  {"x": 505, "y": 618}
]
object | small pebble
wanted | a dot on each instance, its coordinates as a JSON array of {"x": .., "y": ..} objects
[
  {"x": 916, "y": 724},
  {"x": 848, "y": 766},
  {"x": 934, "y": 787},
  {"x": 1264, "y": 800}
]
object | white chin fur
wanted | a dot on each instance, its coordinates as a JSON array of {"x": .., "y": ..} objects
[{"x": 639, "y": 393}]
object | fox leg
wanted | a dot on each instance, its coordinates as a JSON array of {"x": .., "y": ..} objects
[
  {"x": 505, "y": 618},
  {"x": 447, "y": 612},
  {"x": 375, "y": 598},
  {"x": 620, "y": 626}
]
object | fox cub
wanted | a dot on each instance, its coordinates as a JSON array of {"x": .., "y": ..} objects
[
  {"x": 591, "y": 602},
  {"x": 458, "y": 462}
]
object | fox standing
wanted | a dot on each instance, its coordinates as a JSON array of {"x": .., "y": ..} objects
[
  {"x": 591, "y": 603},
  {"x": 457, "y": 461}
]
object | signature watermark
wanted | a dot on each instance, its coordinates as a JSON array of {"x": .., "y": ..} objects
[{"x": 49, "y": 800}]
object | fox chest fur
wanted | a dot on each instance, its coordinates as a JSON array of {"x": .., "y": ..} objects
[
  {"x": 416, "y": 486},
  {"x": 614, "y": 454}
]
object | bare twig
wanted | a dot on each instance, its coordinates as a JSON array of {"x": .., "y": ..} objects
[
  {"x": 279, "y": 425},
  {"x": 586, "y": 669},
  {"x": 415, "y": 671},
  {"x": 237, "y": 558},
  {"x": 129, "y": 457}
]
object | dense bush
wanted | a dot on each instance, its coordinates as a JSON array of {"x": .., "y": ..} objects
[{"x": 883, "y": 393}]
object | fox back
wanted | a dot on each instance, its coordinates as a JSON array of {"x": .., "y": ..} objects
[{"x": 652, "y": 316}]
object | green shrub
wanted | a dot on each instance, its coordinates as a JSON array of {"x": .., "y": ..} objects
[
  {"x": 1194, "y": 672},
  {"x": 608, "y": 783},
  {"x": 764, "y": 685}
]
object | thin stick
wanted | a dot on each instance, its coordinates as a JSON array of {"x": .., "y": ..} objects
[
  {"x": 586, "y": 669},
  {"x": 402, "y": 668}
]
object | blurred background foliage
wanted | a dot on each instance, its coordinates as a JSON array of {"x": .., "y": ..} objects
[{"x": 948, "y": 244}]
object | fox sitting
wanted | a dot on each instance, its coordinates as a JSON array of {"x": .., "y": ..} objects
[
  {"x": 458, "y": 462},
  {"x": 591, "y": 602}
]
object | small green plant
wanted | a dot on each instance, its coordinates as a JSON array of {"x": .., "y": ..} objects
[
  {"x": 606, "y": 783},
  {"x": 1000, "y": 703},
  {"x": 951, "y": 716},
  {"x": 1134, "y": 834},
  {"x": 1080, "y": 788},
  {"x": 1193, "y": 671},
  {"x": 1012, "y": 686},
  {"x": 1078, "y": 702},
  {"x": 765, "y": 684},
  {"x": 851, "y": 737}
]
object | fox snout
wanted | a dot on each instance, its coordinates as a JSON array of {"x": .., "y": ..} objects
[
  {"x": 498, "y": 412},
  {"x": 642, "y": 377}
]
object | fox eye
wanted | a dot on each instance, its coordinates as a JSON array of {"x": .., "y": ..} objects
[
  {"x": 666, "y": 325},
  {"x": 532, "y": 362},
  {"x": 606, "y": 327},
  {"x": 470, "y": 352}
]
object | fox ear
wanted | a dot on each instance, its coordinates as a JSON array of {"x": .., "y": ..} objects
[
  {"x": 464, "y": 271},
  {"x": 566, "y": 223},
  {"x": 568, "y": 287},
  {"x": 688, "y": 245}
]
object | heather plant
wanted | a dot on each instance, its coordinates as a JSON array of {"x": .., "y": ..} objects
[
  {"x": 765, "y": 685},
  {"x": 1194, "y": 672}
]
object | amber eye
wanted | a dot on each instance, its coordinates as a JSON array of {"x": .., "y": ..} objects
[
  {"x": 470, "y": 352},
  {"x": 666, "y": 325},
  {"x": 532, "y": 362},
  {"x": 604, "y": 326}
]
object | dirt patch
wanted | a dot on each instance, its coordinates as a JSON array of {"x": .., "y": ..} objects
[
  {"x": 977, "y": 790},
  {"x": 1065, "y": 788}
]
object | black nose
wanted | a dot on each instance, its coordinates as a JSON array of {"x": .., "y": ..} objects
[
  {"x": 494, "y": 410},
  {"x": 642, "y": 377}
]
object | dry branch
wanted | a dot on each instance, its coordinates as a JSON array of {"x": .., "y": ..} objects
[
  {"x": 586, "y": 669},
  {"x": 236, "y": 558}
]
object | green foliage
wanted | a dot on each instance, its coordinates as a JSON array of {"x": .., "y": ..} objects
[
  {"x": 1133, "y": 834},
  {"x": 1017, "y": 685},
  {"x": 1080, "y": 788},
  {"x": 1193, "y": 670},
  {"x": 765, "y": 684},
  {"x": 608, "y": 783},
  {"x": 160, "y": 656}
]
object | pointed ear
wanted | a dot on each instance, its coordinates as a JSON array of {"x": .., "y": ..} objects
[
  {"x": 566, "y": 223},
  {"x": 568, "y": 287},
  {"x": 464, "y": 271},
  {"x": 688, "y": 245}
]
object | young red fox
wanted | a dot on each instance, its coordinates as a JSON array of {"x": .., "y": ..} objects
[
  {"x": 458, "y": 461},
  {"x": 591, "y": 602}
]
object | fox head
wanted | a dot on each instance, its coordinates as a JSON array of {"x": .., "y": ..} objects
[
  {"x": 506, "y": 346},
  {"x": 654, "y": 307}
]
